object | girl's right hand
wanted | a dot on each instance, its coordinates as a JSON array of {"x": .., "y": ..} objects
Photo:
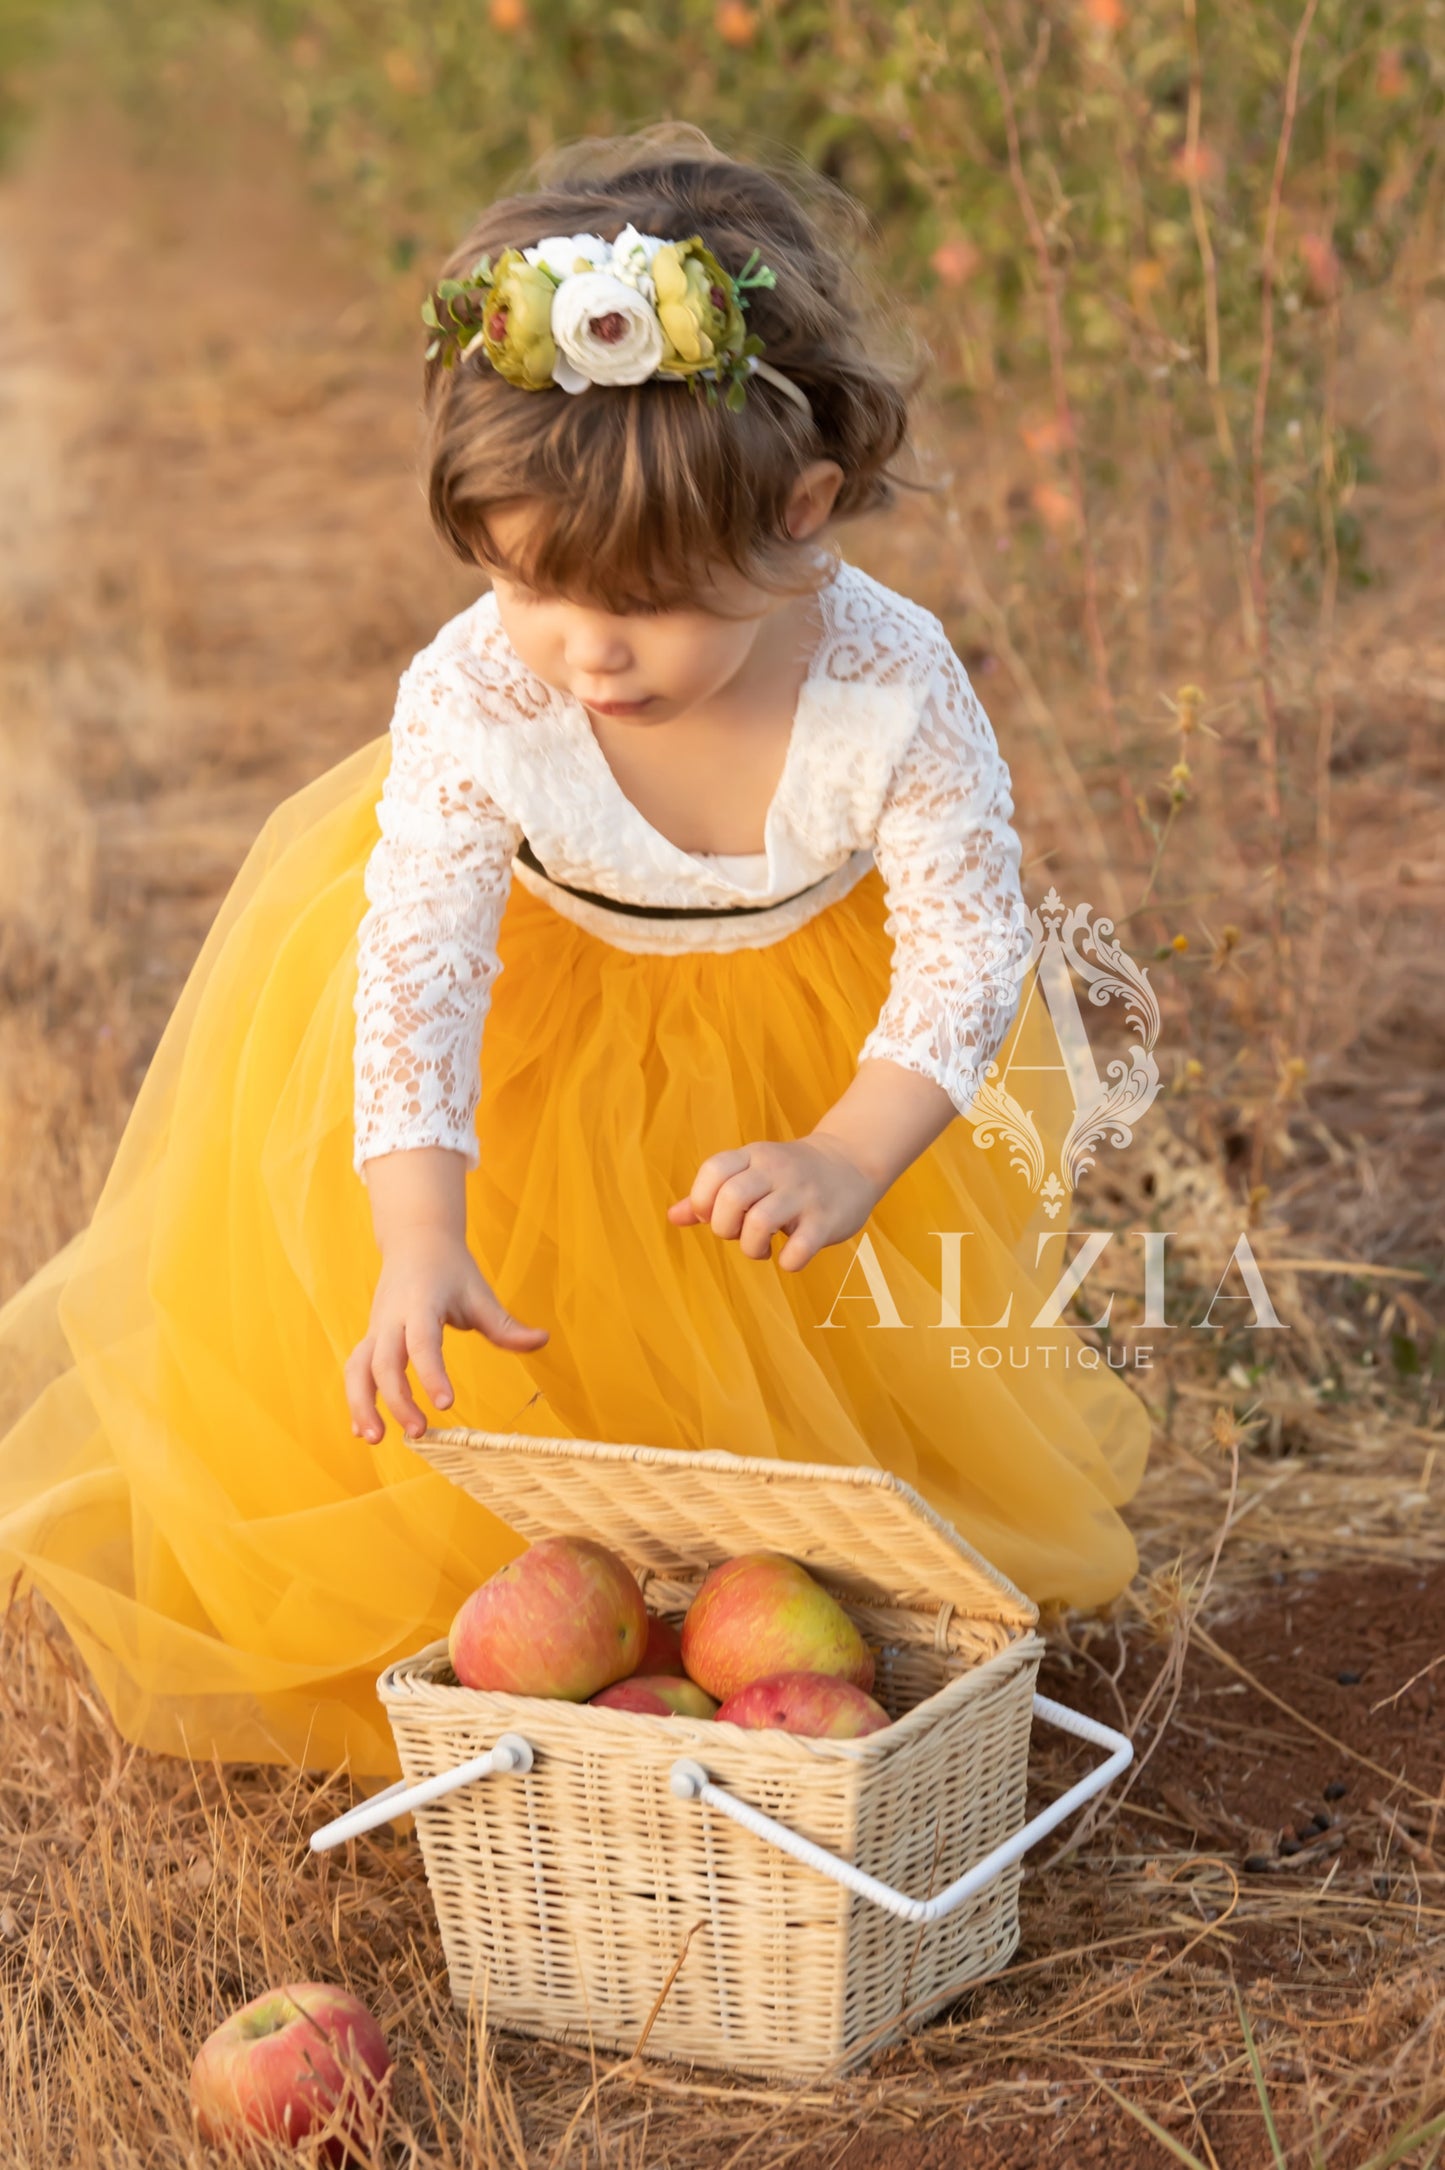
[{"x": 428, "y": 1282}]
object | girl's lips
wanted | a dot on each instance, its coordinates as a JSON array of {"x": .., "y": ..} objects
[{"x": 619, "y": 708}]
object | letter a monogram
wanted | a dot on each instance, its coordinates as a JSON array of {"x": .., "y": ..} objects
[{"x": 1111, "y": 1105}]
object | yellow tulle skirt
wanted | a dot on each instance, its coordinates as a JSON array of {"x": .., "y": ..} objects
[{"x": 178, "y": 1474}]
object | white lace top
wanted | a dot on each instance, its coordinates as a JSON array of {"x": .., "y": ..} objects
[{"x": 891, "y": 761}]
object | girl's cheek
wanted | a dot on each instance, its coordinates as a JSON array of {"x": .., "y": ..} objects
[
  {"x": 529, "y": 640},
  {"x": 704, "y": 662}
]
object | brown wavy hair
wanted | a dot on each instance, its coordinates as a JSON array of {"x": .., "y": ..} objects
[{"x": 642, "y": 490}]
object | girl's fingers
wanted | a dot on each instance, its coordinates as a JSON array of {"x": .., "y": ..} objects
[
  {"x": 361, "y": 1392},
  {"x": 493, "y": 1319},
  {"x": 763, "y": 1222},
  {"x": 799, "y": 1248},
  {"x": 811, "y": 1232},
  {"x": 424, "y": 1349},
  {"x": 389, "y": 1366},
  {"x": 710, "y": 1178},
  {"x": 737, "y": 1195}
]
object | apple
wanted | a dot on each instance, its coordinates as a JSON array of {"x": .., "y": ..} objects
[
  {"x": 278, "y": 2068},
  {"x": 663, "y": 1655},
  {"x": 564, "y": 1619},
  {"x": 657, "y": 1696},
  {"x": 818, "y": 1705},
  {"x": 762, "y": 1614}
]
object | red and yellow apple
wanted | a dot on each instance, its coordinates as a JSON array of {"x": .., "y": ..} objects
[
  {"x": 662, "y": 1657},
  {"x": 657, "y": 1696},
  {"x": 564, "y": 1619},
  {"x": 762, "y": 1614},
  {"x": 279, "y": 2068},
  {"x": 818, "y": 1705}
]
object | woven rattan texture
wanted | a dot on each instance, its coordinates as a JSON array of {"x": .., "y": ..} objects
[
  {"x": 955, "y": 1789},
  {"x": 565, "y": 1898},
  {"x": 861, "y": 1531}
]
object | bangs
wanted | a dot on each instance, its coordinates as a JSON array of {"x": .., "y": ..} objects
[{"x": 638, "y": 495}]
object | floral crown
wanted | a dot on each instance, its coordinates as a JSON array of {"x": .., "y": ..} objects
[{"x": 577, "y": 310}]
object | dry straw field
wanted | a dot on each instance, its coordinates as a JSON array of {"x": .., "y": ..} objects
[{"x": 1183, "y": 283}]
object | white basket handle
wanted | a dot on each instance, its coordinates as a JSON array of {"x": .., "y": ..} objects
[
  {"x": 690, "y": 1782},
  {"x": 511, "y": 1753}
]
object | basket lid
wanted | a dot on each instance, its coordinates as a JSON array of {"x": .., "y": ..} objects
[{"x": 865, "y": 1531}]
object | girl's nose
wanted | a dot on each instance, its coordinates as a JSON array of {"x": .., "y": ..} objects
[{"x": 597, "y": 651}]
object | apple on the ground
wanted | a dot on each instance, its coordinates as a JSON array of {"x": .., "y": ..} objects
[
  {"x": 818, "y": 1705},
  {"x": 279, "y": 2067},
  {"x": 761, "y": 1614},
  {"x": 564, "y": 1619}
]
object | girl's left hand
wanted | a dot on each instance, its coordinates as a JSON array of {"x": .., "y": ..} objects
[{"x": 810, "y": 1189}]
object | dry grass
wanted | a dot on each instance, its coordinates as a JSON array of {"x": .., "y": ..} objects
[
  {"x": 212, "y": 564},
  {"x": 147, "y": 1898}
]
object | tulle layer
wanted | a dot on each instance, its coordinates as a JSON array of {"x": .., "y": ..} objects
[{"x": 179, "y": 1475}]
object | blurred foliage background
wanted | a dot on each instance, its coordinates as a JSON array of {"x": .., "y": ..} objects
[{"x": 1115, "y": 157}]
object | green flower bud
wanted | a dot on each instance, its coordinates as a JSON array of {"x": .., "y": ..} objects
[{"x": 516, "y": 327}]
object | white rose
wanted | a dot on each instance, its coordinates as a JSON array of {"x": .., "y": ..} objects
[
  {"x": 606, "y": 333},
  {"x": 559, "y": 252}
]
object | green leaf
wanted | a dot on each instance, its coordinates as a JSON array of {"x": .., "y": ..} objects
[
  {"x": 749, "y": 277},
  {"x": 1260, "y": 2089},
  {"x": 449, "y": 288},
  {"x": 737, "y": 397}
]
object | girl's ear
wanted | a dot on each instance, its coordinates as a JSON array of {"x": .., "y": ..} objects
[{"x": 812, "y": 498}]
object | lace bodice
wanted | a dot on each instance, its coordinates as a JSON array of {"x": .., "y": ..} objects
[{"x": 891, "y": 761}]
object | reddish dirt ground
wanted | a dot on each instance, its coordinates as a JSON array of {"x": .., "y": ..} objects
[{"x": 1360, "y": 1653}]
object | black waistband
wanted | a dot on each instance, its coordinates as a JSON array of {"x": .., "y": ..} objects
[{"x": 658, "y": 911}]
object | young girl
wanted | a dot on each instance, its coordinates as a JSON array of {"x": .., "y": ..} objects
[{"x": 705, "y": 826}]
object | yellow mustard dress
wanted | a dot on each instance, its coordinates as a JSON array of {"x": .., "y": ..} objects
[{"x": 465, "y": 934}]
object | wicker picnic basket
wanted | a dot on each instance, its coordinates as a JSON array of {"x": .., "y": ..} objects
[{"x": 753, "y": 1900}]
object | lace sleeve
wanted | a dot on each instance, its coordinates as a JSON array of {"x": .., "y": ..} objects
[
  {"x": 437, "y": 883},
  {"x": 950, "y": 865}
]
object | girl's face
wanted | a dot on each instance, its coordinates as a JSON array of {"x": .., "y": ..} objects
[{"x": 648, "y": 667}]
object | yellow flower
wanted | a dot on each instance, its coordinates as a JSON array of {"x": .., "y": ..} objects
[
  {"x": 697, "y": 308},
  {"x": 516, "y": 328}
]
